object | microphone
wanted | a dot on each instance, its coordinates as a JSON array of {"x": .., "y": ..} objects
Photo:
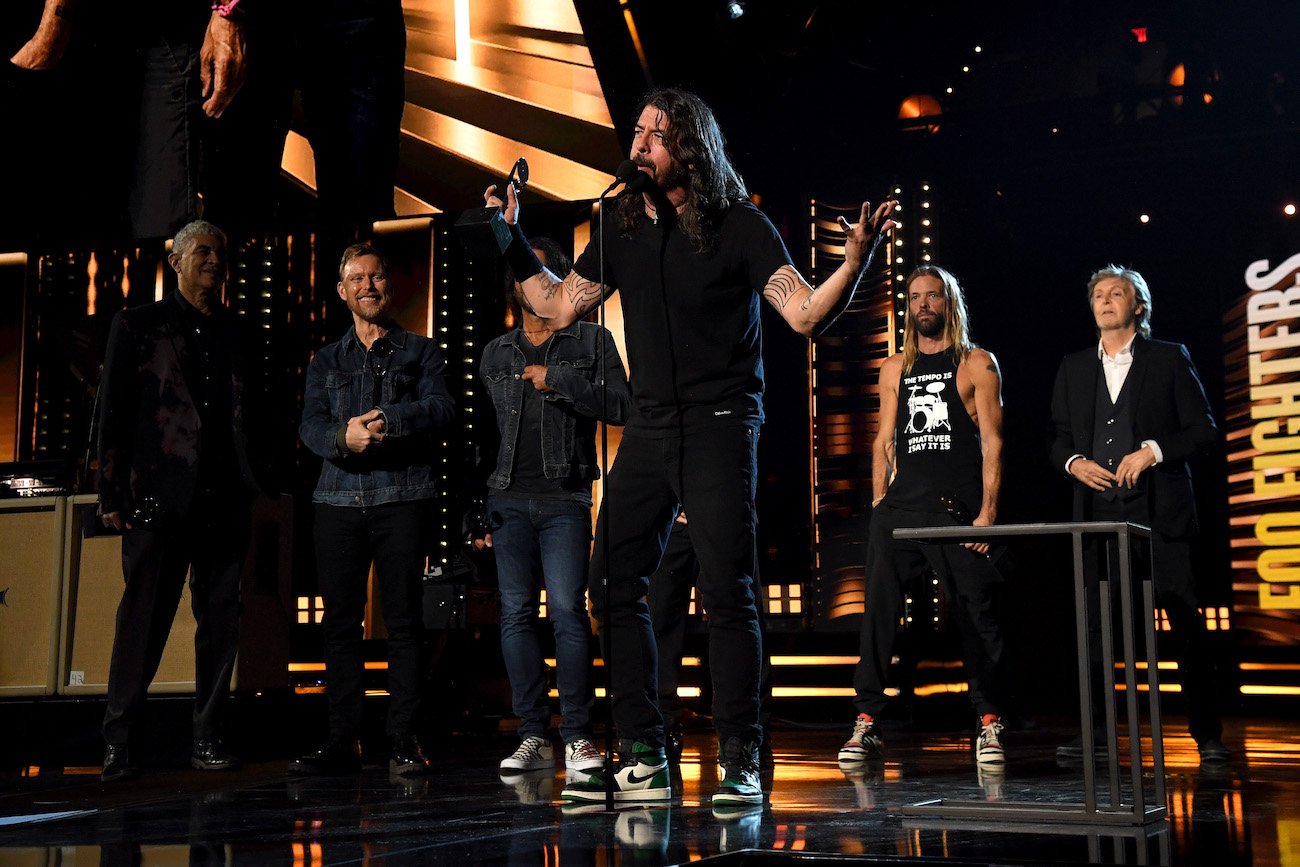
[{"x": 630, "y": 174}]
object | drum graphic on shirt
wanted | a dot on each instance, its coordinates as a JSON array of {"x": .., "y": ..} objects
[{"x": 926, "y": 412}]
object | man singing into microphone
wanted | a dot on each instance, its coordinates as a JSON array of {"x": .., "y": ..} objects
[{"x": 691, "y": 256}]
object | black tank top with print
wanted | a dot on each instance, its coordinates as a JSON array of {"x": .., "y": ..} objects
[{"x": 937, "y": 445}]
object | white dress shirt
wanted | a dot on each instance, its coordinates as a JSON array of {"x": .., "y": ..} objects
[{"x": 1116, "y": 369}]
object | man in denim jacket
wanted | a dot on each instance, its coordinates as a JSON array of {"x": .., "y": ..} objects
[
  {"x": 372, "y": 403},
  {"x": 546, "y": 388}
]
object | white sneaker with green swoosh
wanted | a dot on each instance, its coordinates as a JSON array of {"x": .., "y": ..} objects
[{"x": 642, "y": 775}]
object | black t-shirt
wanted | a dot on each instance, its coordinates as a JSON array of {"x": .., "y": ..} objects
[{"x": 691, "y": 319}]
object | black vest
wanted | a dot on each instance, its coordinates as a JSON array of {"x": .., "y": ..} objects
[{"x": 1112, "y": 432}]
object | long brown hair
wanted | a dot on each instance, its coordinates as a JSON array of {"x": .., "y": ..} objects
[
  {"x": 956, "y": 330},
  {"x": 695, "y": 143}
]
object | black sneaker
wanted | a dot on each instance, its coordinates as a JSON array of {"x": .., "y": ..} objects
[
  {"x": 1213, "y": 751},
  {"x": 740, "y": 782},
  {"x": 405, "y": 756},
  {"x": 336, "y": 757},
  {"x": 1072, "y": 749}
]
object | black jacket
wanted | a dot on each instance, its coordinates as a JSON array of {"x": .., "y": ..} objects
[
  {"x": 1169, "y": 406},
  {"x": 150, "y": 433}
]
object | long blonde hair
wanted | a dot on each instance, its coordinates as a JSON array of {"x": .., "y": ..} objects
[{"x": 956, "y": 331}]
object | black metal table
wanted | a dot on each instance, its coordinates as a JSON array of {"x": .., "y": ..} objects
[{"x": 1114, "y": 812}]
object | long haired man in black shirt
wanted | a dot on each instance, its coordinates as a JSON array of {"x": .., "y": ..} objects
[{"x": 691, "y": 258}]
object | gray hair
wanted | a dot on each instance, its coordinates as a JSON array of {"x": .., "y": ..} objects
[
  {"x": 1141, "y": 293},
  {"x": 185, "y": 237}
]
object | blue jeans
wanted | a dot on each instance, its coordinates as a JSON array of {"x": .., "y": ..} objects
[{"x": 552, "y": 538}]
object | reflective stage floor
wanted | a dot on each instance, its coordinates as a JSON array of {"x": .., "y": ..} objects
[{"x": 1245, "y": 813}]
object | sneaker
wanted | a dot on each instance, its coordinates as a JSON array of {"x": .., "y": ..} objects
[
  {"x": 865, "y": 743},
  {"x": 1073, "y": 749},
  {"x": 531, "y": 787},
  {"x": 406, "y": 757},
  {"x": 581, "y": 756},
  {"x": 738, "y": 826},
  {"x": 1213, "y": 751},
  {"x": 991, "y": 779},
  {"x": 645, "y": 829},
  {"x": 739, "y": 765},
  {"x": 642, "y": 775},
  {"x": 534, "y": 754},
  {"x": 988, "y": 745}
]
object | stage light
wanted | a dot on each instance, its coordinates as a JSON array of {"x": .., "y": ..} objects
[
  {"x": 965, "y": 69},
  {"x": 1144, "y": 218},
  {"x": 1139, "y": 33},
  {"x": 1289, "y": 209},
  {"x": 978, "y": 49},
  {"x": 947, "y": 90},
  {"x": 735, "y": 9}
]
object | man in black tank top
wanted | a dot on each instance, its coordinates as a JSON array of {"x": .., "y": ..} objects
[{"x": 937, "y": 460}]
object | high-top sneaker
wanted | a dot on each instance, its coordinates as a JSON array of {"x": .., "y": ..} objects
[
  {"x": 865, "y": 743},
  {"x": 642, "y": 775},
  {"x": 740, "y": 784}
]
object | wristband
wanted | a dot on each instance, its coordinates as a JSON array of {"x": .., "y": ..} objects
[{"x": 520, "y": 256}]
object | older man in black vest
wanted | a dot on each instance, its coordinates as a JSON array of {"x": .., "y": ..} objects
[{"x": 1129, "y": 413}]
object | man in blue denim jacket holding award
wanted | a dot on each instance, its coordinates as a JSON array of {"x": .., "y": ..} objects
[
  {"x": 549, "y": 390},
  {"x": 373, "y": 402}
]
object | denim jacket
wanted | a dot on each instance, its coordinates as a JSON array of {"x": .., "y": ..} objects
[
  {"x": 572, "y": 407},
  {"x": 402, "y": 375}
]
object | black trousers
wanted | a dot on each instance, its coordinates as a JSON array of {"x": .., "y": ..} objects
[
  {"x": 669, "y": 598},
  {"x": 969, "y": 580},
  {"x": 393, "y": 536},
  {"x": 211, "y": 544},
  {"x": 711, "y": 473},
  {"x": 1175, "y": 591}
]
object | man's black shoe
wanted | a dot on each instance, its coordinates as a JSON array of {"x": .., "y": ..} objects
[
  {"x": 1213, "y": 751},
  {"x": 406, "y": 758},
  {"x": 1073, "y": 749},
  {"x": 336, "y": 757},
  {"x": 209, "y": 754},
  {"x": 118, "y": 764}
]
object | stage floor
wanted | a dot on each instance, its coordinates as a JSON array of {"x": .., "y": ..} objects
[{"x": 1245, "y": 813}]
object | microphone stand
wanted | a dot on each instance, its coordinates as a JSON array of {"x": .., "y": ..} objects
[
  {"x": 604, "y": 504},
  {"x": 635, "y": 180}
]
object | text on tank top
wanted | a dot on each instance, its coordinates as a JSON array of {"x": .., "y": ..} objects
[{"x": 937, "y": 445}]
